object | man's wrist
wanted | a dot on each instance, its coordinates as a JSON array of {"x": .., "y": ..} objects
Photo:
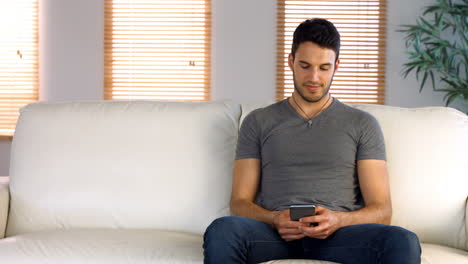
[
  {"x": 273, "y": 215},
  {"x": 341, "y": 219}
]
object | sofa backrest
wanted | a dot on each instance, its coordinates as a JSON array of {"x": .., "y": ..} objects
[
  {"x": 115, "y": 164},
  {"x": 428, "y": 169},
  {"x": 149, "y": 164}
]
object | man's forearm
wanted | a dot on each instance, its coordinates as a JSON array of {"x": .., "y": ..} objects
[
  {"x": 251, "y": 210},
  {"x": 366, "y": 215}
]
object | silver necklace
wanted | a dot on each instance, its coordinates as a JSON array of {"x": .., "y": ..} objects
[{"x": 318, "y": 112}]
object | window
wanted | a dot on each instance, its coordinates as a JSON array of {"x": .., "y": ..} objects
[
  {"x": 18, "y": 60},
  {"x": 157, "y": 49},
  {"x": 362, "y": 26}
]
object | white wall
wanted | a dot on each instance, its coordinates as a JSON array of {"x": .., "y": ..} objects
[
  {"x": 4, "y": 157},
  {"x": 244, "y": 53},
  {"x": 71, "y": 49},
  {"x": 244, "y": 45}
]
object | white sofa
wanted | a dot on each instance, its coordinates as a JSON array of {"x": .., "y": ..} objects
[{"x": 138, "y": 182}]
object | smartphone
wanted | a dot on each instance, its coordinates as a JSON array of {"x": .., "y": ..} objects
[{"x": 298, "y": 211}]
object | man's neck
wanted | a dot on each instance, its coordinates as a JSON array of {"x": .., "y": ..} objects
[{"x": 308, "y": 109}]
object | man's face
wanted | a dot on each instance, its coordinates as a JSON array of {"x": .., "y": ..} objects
[{"x": 313, "y": 69}]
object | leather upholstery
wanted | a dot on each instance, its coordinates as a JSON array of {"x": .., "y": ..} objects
[
  {"x": 440, "y": 254},
  {"x": 426, "y": 156},
  {"x": 103, "y": 246},
  {"x": 120, "y": 246},
  {"x": 138, "y": 182},
  {"x": 118, "y": 164}
]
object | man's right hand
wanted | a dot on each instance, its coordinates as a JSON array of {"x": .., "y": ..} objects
[{"x": 288, "y": 230}]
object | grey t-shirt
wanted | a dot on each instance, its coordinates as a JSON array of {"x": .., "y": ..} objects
[{"x": 310, "y": 164}]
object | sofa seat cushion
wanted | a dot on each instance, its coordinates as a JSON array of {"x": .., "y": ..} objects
[
  {"x": 95, "y": 246},
  {"x": 98, "y": 246},
  {"x": 432, "y": 254}
]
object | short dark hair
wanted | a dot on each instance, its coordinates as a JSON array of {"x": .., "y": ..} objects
[{"x": 319, "y": 31}]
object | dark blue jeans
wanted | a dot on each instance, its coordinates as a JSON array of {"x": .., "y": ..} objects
[{"x": 234, "y": 239}]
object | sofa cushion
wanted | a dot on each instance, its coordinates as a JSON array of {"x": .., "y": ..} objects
[
  {"x": 426, "y": 151},
  {"x": 117, "y": 164},
  {"x": 105, "y": 246},
  {"x": 440, "y": 254},
  {"x": 100, "y": 246}
]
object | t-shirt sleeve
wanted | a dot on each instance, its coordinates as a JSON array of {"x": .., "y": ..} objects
[
  {"x": 371, "y": 141},
  {"x": 248, "y": 142}
]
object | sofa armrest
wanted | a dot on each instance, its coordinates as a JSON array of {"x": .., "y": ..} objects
[
  {"x": 466, "y": 225},
  {"x": 4, "y": 204}
]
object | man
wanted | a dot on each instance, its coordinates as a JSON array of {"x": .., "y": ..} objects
[{"x": 310, "y": 149}]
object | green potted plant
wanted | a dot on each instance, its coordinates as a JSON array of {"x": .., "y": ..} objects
[{"x": 438, "y": 49}]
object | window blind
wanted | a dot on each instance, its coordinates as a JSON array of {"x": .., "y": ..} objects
[
  {"x": 362, "y": 26},
  {"x": 157, "y": 49},
  {"x": 18, "y": 60}
]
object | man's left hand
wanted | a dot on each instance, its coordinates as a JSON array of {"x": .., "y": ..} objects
[{"x": 328, "y": 222}]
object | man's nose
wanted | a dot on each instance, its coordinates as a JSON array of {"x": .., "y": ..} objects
[{"x": 314, "y": 76}]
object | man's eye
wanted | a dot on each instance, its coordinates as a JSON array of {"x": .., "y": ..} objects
[
  {"x": 324, "y": 69},
  {"x": 304, "y": 66}
]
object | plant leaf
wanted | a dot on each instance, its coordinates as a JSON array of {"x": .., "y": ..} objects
[
  {"x": 431, "y": 9},
  {"x": 431, "y": 73},
  {"x": 437, "y": 48},
  {"x": 423, "y": 81},
  {"x": 451, "y": 98}
]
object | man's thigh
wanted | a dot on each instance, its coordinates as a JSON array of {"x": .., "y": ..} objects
[
  {"x": 235, "y": 239},
  {"x": 365, "y": 243}
]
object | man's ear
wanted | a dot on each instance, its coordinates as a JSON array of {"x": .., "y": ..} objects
[
  {"x": 337, "y": 64},
  {"x": 291, "y": 61}
]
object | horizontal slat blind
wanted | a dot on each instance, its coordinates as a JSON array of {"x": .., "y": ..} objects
[
  {"x": 18, "y": 60},
  {"x": 157, "y": 49},
  {"x": 362, "y": 26}
]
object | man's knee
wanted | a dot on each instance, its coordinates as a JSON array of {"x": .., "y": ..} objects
[
  {"x": 224, "y": 240},
  {"x": 225, "y": 227},
  {"x": 405, "y": 242},
  {"x": 403, "y": 237}
]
